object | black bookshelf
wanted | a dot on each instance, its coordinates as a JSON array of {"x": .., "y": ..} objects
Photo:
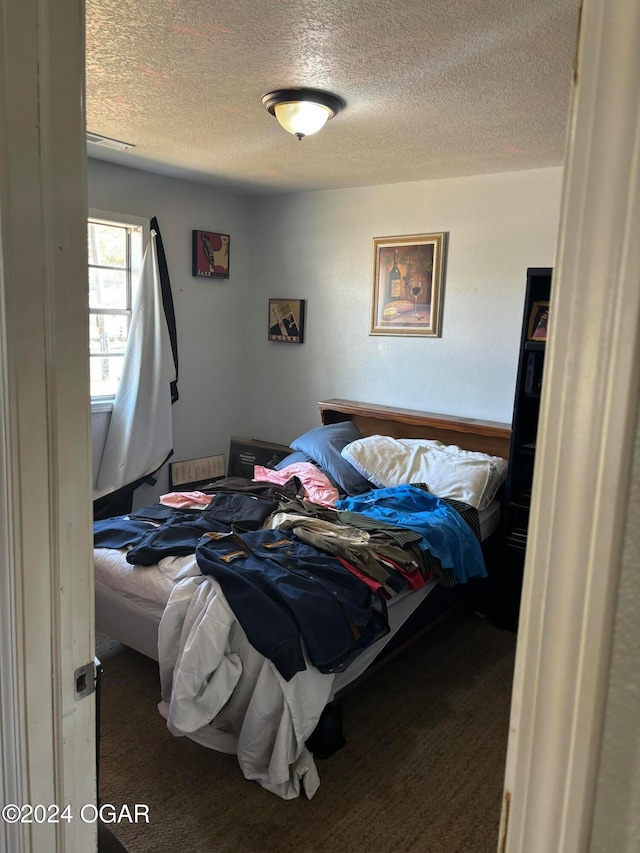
[{"x": 524, "y": 429}]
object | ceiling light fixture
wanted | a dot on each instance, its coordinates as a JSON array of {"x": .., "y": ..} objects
[{"x": 302, "y": 111}]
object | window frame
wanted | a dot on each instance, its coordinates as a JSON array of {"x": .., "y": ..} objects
[{"x": 138, "y": 241}]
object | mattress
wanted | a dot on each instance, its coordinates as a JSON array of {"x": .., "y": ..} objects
[
  {"x": 489, "y": 520},
  {"x": 148, "y": 587},
  {"x": 130, "y": 599}
]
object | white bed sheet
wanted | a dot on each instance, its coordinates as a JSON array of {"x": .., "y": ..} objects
[
  {"x": 219, "y": 691},
  {"x": 148, "y": 586}
]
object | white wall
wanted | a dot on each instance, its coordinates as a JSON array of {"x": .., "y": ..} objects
[
  {"x": 209, "y": 313},
  {"x": 318, "y": 246}
]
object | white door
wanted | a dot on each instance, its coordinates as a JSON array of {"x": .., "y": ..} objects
[{"x": 47, "y": 733}]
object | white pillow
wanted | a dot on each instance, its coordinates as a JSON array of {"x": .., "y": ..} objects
[{"x": 447, "y": 471}]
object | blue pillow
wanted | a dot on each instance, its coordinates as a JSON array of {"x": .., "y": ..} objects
[
  {"x": 323, "y": 444},
  {"x": 293, "y": 459}
]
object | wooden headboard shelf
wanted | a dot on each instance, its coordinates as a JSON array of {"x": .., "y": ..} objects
[{"x": 470, "y": 434}]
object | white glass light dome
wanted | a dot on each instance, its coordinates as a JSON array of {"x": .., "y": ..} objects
[
  {"x": 302, "y": 118},
  {"x": 302, "y": 111}
]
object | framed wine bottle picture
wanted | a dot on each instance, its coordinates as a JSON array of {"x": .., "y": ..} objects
[{"x": 408, "y": 280}]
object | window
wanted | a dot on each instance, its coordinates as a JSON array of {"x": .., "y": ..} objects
[{"x": 115, "y": 256}]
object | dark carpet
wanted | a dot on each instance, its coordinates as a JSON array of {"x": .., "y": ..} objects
[{"x": 421, "y": 772}]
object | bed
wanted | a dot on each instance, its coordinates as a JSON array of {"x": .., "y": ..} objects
[{"x": 215, "y": 686}]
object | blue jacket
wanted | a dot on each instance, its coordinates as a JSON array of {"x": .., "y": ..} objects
[
  {"x": 281, "y": 590},
  {"x": 445, "y": 534}
]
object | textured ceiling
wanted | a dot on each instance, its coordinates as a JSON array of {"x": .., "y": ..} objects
[{"x": 433, "y": 88}]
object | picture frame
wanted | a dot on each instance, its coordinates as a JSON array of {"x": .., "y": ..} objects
[
  {"x": 538, "y": 322},
  {"x": 286, "y": 320},
  {"x": 210, "y": 254},
  {"x": 195, "y": 473},
  {"x": 408, "y": 282}
]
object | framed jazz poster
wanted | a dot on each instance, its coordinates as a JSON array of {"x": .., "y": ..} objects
[{"x": 210, "y": 254}]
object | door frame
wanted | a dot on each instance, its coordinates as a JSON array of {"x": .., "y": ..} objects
[
  {"x": 584, "y": 452},
  {"x": 588, "y": 413},
  {"x": 47, "y": 733}
]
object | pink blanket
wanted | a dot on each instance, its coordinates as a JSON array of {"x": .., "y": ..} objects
[{"x": 318, "y": 488}]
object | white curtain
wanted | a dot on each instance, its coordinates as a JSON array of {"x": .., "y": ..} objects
[{"x": 140, "y": 436}]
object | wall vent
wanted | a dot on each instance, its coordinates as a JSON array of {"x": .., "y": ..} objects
[{"x": 97, "y": 139}]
